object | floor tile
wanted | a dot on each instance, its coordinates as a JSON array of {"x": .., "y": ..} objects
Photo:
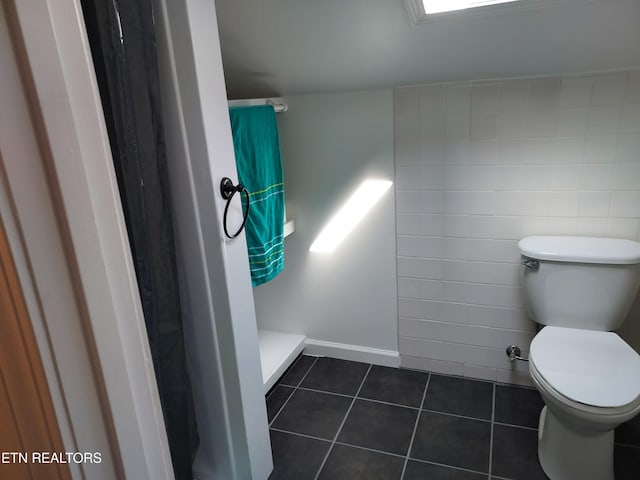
[
  {"x": 395, "y": 385},
  {"x": 297, "y": 371},
  {"x": 313, "y": 413},
  {"x": 626, "y": 461},
  {"x": 446, "y": 439},
  {"x": 461, "y": 396},
  {"x": 349, "y": 463},
  {"x": 456, "y": 441},
  {"x": 276, "y": 400},
  {"x": 337, "y": 376},
  {"x": 379, "y": 426},
  {"x": 295, "y": 457},
  {"x": 518, "y": 406},
  {"x": 421, "y": 471},
  {"x": 629, "y": 433},
  {"x": 515, "y": 453}
]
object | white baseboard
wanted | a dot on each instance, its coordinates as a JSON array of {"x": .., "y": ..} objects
[{"x": 355, "y": 353}]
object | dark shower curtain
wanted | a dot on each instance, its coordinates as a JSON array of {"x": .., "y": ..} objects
[{"x": 122, "y": 39}]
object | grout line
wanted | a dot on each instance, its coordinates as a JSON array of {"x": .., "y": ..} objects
[
  {"x": 383, "y": 452},
  {"x": 502, "y": 424},
  {"x": 405, "y": 406},
  {"x": 326, "y": 392},
  {"x": 294, "y": 390},
  {"x": 300, "y": 434},
  {"x": 415, "y": 428},
  {"x": 475, "y": 325},
  {"x": 270, "y": 392},
  {"x": 335, "y": 438},
  {"x": 369, "y": 449},
  {"x": 307, "y": 373},
  {"x": 493, "y": 284},
  {"x": 513, "y": 385},
  {"x": 458, "y": 416},
  {"x": 286, "y": 385},
  {"x": 424, "y": 395},
  {"x": 291, "y": 367},
  {"x": 282, "y": 384},
  {"x": 493, "y": 417},
  {"x": 449, "y": 466},
  {"x": 391, "y": 404},
  {"x": 296, "y": 361}
]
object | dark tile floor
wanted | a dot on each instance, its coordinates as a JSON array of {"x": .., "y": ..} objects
[{"x": 333, "y": 419}]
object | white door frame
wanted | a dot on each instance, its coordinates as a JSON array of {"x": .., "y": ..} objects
[
  {"x": 221, "y": 332},
  {"x": 60, "y": 202}
]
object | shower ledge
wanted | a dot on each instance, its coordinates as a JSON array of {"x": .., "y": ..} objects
[
  {"x": 289, "y": 227},
  {"x": 277, "y": 352}
]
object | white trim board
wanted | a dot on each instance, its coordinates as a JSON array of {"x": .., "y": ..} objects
[{"x": 355, "y": 353}]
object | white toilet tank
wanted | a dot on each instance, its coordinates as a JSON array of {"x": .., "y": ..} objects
[{"x": 580, "y": 282}]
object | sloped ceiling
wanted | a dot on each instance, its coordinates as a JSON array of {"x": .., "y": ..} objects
[{"x": 285, "y": 47}]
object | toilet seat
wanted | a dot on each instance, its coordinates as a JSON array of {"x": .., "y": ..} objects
[
  {"x": 593, "y": 370},
  {"x": 607, "y": 414}
]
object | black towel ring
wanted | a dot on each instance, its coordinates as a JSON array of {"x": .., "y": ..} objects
[{"x": 228, "y": 190}]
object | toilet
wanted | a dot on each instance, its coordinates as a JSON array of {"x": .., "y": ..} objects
[{"x": 581, "y": 289}]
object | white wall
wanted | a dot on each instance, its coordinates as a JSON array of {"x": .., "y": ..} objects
[
  {"x": 329, "y": 144},
  {"x": 480, "y": 165}
]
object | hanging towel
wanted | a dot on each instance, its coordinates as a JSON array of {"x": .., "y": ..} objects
[{"x": 255, "y": 141}]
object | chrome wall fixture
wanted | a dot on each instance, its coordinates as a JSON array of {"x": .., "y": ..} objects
[
  {"x": 514, "y": 353},
  {"x": 530, "y": 263}
]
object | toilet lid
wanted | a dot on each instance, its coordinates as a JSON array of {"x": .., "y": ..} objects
[{"x": 593, "y": 368}]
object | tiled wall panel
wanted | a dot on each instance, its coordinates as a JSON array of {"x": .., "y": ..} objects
[{"x": 480, "y": 165}]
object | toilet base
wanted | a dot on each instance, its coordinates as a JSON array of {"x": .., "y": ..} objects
[{"x": 566, "y": 454}]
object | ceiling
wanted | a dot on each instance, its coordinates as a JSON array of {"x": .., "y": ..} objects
[{"x": 285, "y": 47}]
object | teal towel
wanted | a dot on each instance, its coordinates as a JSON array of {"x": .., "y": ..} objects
[{"x": 255, "y": 141}]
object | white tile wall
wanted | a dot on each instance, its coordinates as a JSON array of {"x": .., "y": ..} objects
[{"x": 480, "y": 165}]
